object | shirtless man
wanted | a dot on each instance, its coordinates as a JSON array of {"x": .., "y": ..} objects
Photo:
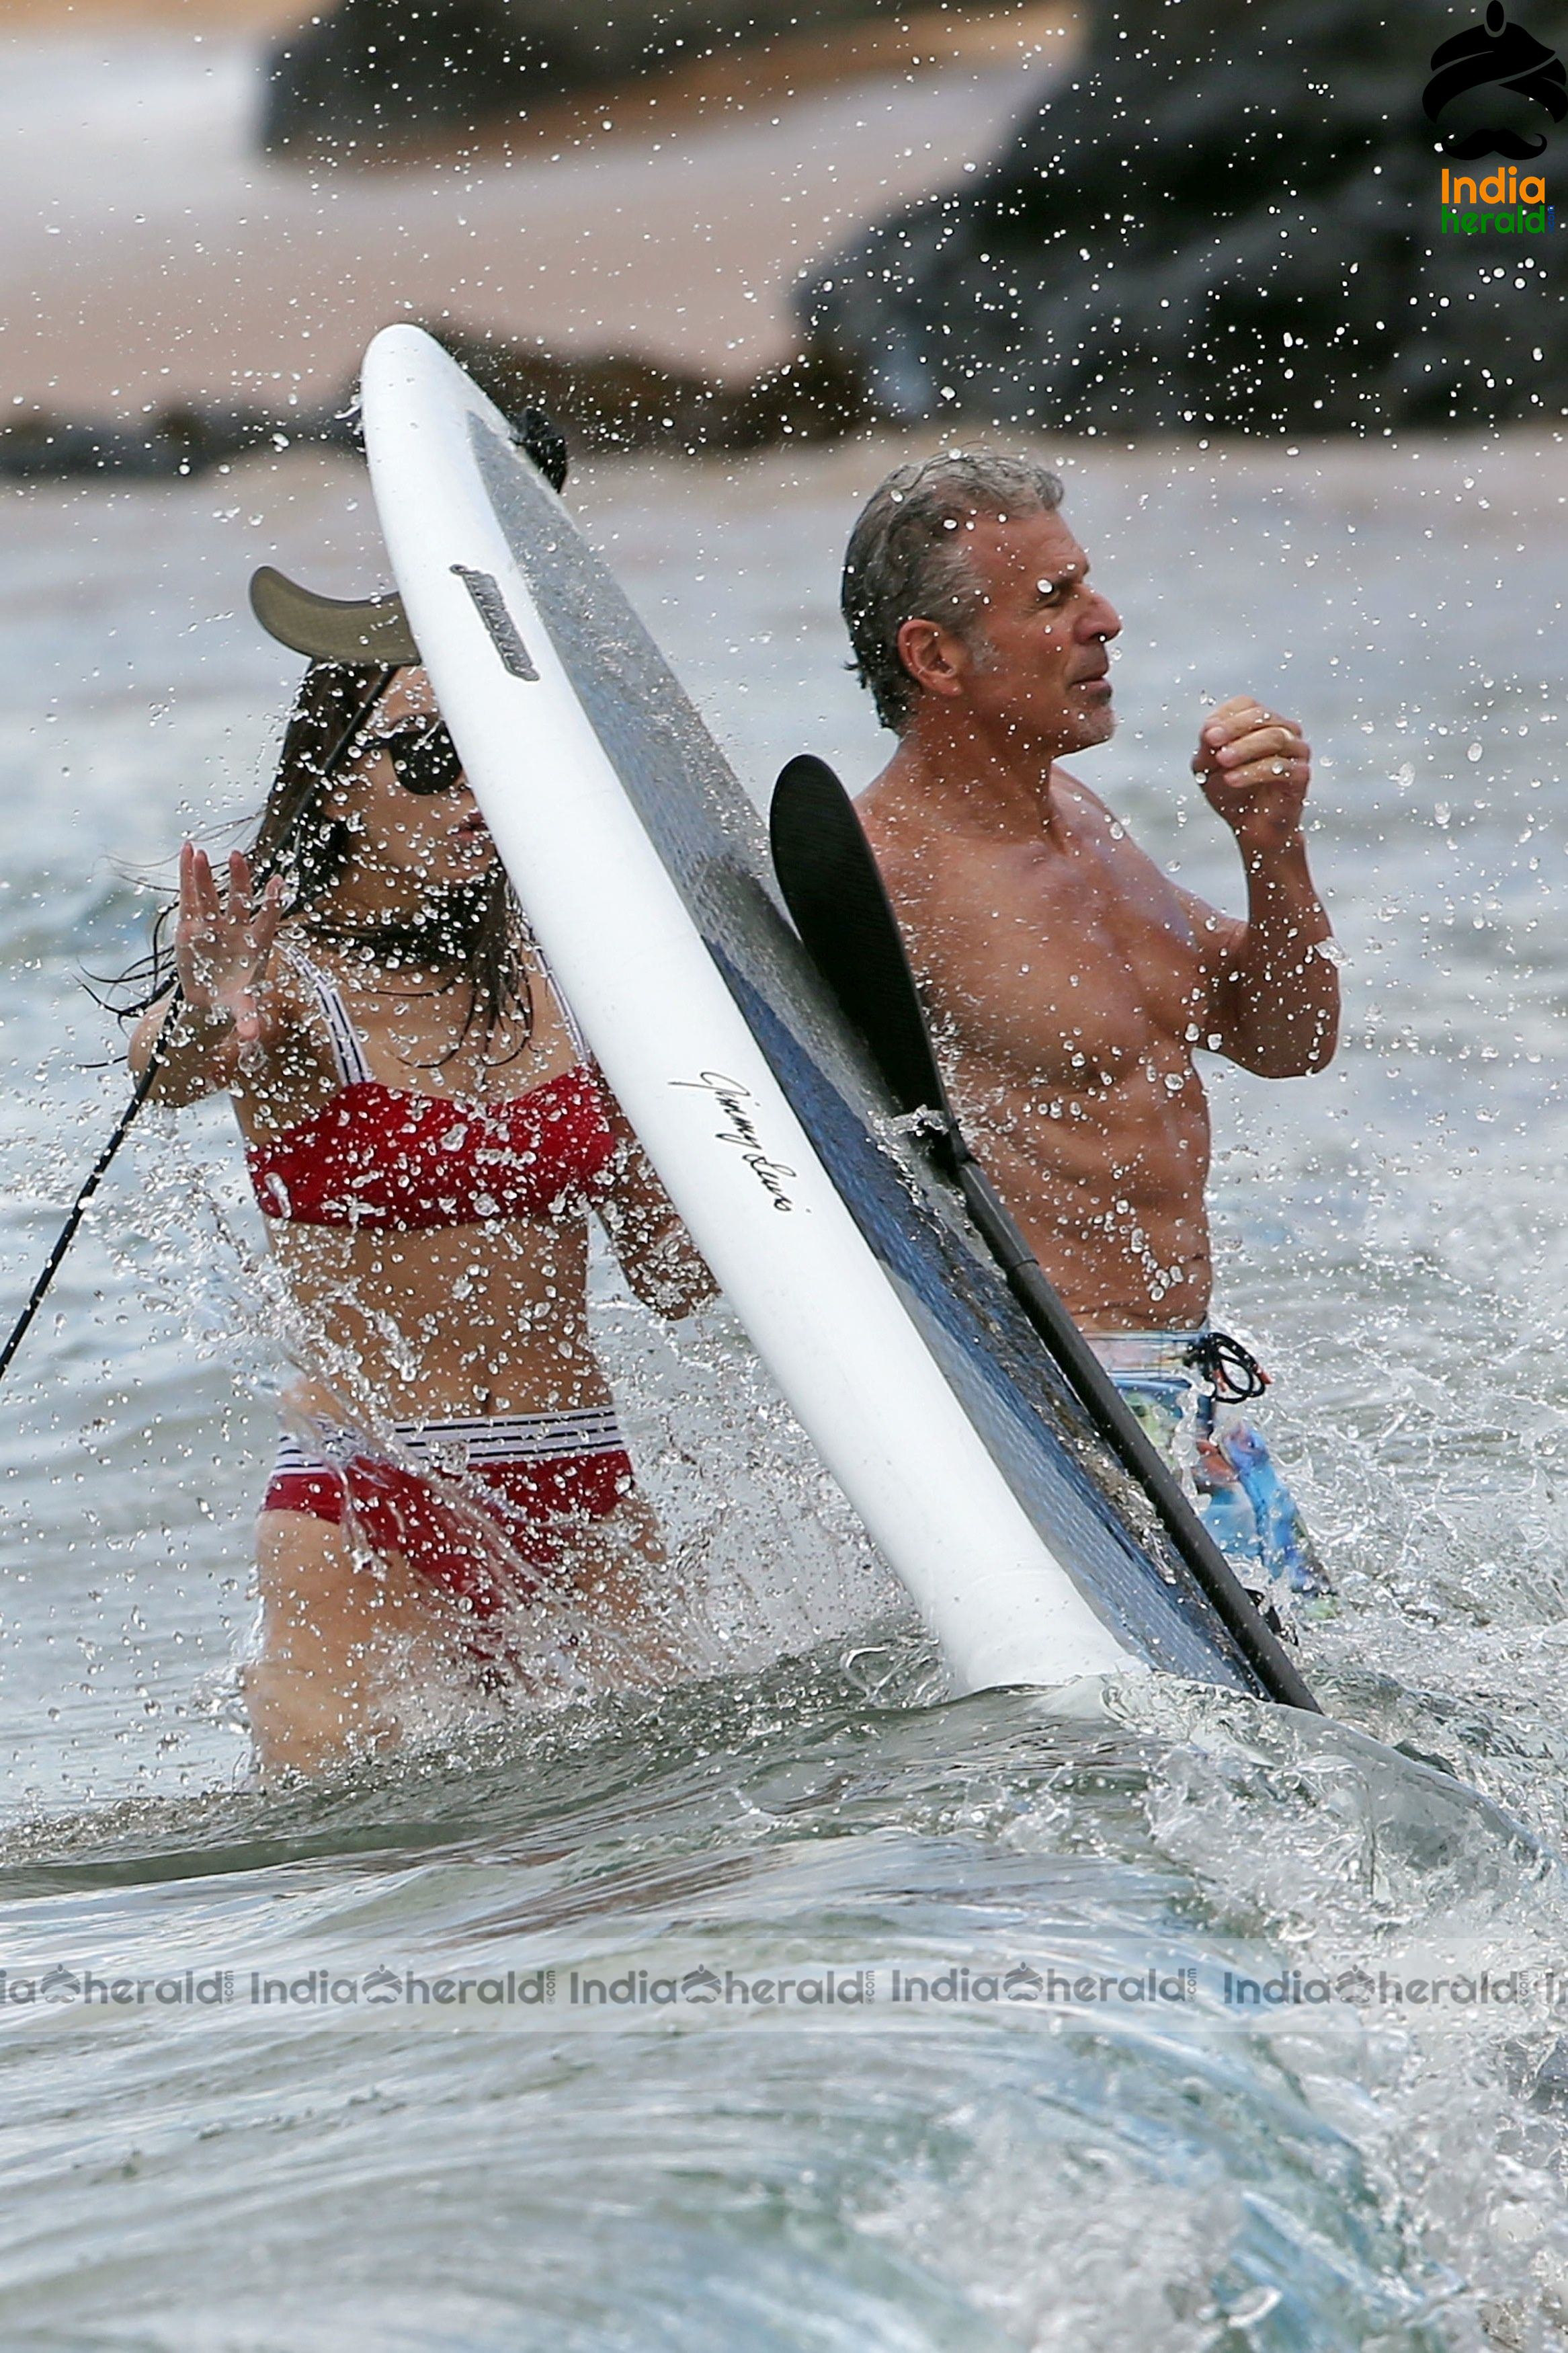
[{"x": 1068, "y": 981}]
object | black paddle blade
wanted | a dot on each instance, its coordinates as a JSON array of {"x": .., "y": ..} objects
[{"x": 842, "y": 911}]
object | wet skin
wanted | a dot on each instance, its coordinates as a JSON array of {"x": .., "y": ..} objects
[
  {"x": 1068, "y": 981},
  {"x": 468, "y": 1320}
]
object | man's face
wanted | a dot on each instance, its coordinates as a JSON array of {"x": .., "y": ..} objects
[{"x": 1037, "y": 666}]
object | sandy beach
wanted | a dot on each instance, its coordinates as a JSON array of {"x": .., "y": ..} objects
[{"x": 156, "y": 255}]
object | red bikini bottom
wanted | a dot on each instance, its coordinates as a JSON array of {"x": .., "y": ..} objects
[{"x": 438, "y": 1519}]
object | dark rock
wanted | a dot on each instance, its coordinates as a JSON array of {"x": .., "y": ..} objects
[
  {"x": 600, "y": 404},
  {"x": 1228, "y": 217},
  {"x": 372, "y": 76},
  {"x": 616, "y": 403},
  {"x": 182, "y": 440}
]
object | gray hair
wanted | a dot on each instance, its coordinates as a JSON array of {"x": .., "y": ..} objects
[{"x": 908, "y": 560}]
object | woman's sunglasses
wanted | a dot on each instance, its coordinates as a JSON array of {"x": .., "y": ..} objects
[{"x": 424, "y": 758}]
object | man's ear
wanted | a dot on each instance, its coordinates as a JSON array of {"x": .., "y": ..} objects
[{"x": 936, "y": 658}]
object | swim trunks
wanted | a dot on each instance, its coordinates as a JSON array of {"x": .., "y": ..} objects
[
  {"x": 1186, "y": 1389},
  {"x": 484, "y": 1507}
]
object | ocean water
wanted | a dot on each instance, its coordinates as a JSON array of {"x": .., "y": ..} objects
[{"x": 800, "y": 2007}]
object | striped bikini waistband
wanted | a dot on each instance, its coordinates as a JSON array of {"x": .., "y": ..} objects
[{"x": 452, "y": 1444}]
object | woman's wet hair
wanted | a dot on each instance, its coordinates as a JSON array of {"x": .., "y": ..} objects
[
  {"x": 472, "y": 931},
  {"x": 908, "y": 560}
]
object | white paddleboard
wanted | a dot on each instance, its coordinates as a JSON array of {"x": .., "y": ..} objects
[{"x": 642, "y": 869}]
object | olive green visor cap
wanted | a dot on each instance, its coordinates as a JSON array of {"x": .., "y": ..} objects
[{"x": 333, "y": 629}]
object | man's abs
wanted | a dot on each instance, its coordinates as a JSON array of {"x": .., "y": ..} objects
[{"x": 1108, "y": 1184}]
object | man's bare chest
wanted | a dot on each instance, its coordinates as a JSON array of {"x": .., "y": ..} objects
[{"x": 1063, "y": 970}]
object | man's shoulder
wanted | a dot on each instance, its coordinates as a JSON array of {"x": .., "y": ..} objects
[
  {"x": 886, "y": 800},
  {"x": 907, "y": 843},
  {"x": 1087, "y": 821},
  {"x": 1126, "y": 874},
  {"x": 1086, "y": 808},
  {"x": 935, "y": 853}
]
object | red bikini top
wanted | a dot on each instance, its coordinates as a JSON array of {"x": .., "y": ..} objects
[{"x": 379, "y": 1158}]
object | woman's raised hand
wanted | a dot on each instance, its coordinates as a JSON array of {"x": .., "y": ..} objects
[{"x": 222, "y": 945}]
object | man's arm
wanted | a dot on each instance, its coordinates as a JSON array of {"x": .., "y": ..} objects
[{"x": 1274, "y": 992}]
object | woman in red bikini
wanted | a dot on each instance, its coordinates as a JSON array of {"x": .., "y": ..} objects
[{"x": 426, "y": 1136}]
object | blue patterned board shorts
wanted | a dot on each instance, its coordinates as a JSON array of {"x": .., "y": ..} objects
[{"x": 1177, "y": 1387}]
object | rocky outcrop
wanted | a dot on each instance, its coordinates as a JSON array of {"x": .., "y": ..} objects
[
  {"x": 370, "y": 76},
  {"x": 1229, "y": 216},
  {"x": 39, "y": 446},
  {"x": 600, "y": 404},
  {"x": 610, "y": 403}
]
